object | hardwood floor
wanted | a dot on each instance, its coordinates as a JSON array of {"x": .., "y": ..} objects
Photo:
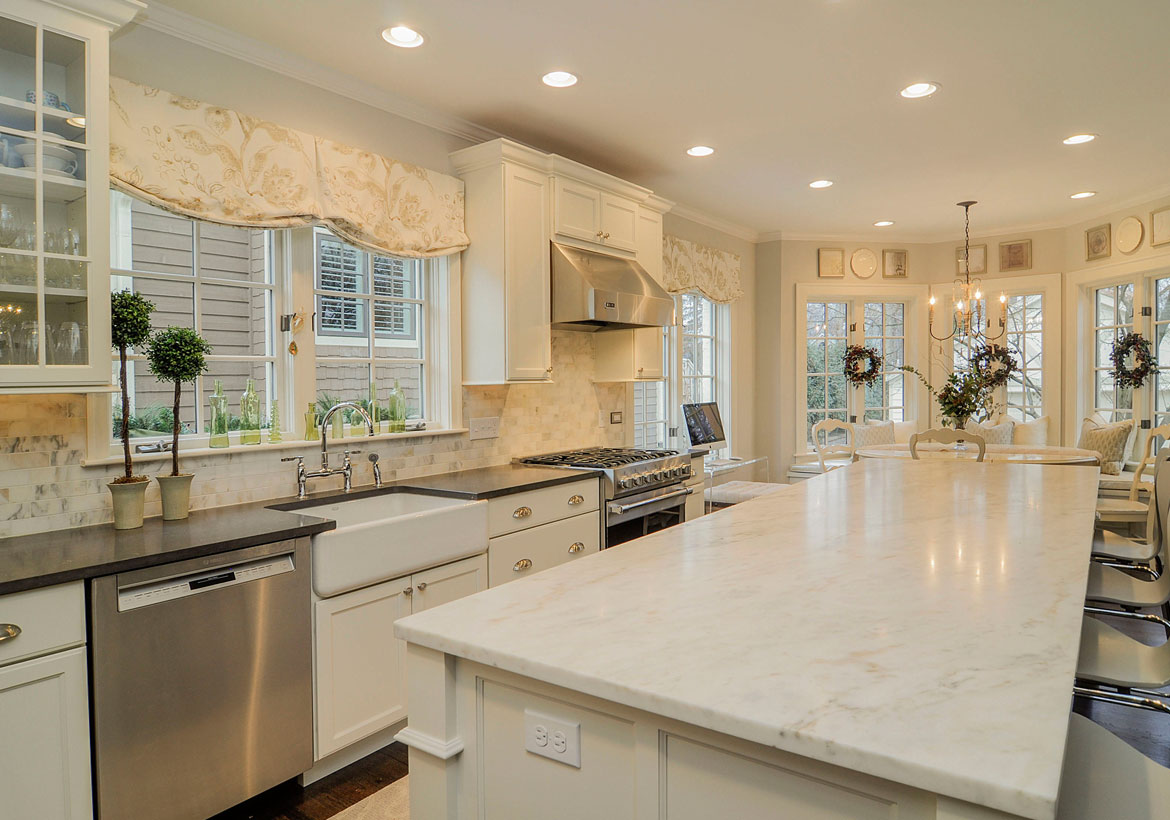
[{"x": 327, "y": 796}]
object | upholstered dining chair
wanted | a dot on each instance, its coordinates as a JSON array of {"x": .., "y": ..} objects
[
  {"x": 946, "y": 435},
  {"x": 1135, "y": 508},
  {"x": 833, "y": 456}
]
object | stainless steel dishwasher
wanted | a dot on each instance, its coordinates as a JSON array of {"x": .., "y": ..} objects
[{"x": 202, "y": 682}]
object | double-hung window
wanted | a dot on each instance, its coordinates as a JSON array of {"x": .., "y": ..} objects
[
  {"x": 1113, "y": 317},
  {"x": 700, "y": 334},
  {"x": 1025, "y": 341}
]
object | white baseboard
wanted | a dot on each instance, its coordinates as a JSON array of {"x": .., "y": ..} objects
[{"x": 351, "y": 754}]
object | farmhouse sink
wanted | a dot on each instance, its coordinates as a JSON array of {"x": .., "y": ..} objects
[{"x": 387, "y": 536}]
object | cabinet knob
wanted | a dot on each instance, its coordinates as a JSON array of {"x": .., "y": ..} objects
[
  {"x": 8, "y": 632},
  {"x": 522, "y": 564},
  {"x": 577, "y": 547},
  {"x": 422, "y": 586},
  {"x": 606, "y": 235},
  {"x": 600, "y": 234},
  {"x": 548, "y": 370},
  {"x": 408, "y": 591},
  {"x": 522, "y": 512},
  {"x": 577, "y": 499}
]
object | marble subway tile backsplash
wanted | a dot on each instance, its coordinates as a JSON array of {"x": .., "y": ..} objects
[{"x": 43, "y": 486}]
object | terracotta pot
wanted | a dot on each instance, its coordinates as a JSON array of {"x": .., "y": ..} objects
[
  {"x": 176, "y": 495},
  {"x": 129, "y": 499}
]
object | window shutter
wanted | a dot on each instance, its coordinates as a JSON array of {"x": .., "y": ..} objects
[{"x": 339, "y": 267}]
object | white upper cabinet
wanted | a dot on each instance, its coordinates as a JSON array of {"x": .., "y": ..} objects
[
  {"x": 586, "y": 213},
  {"x": 619, "y": 222},
  {"x": 54, "y": 202}
]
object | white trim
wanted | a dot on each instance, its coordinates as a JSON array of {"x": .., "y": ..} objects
[
  {"x": 442, "y": 749},
  {"x": 110, "y": 13},
  {"x": 211, "y": 36},
  {"x": 718, "y": 223}
]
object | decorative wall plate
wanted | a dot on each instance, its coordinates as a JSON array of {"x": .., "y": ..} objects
[
  {"x": 1129, "y": 234},
  {"x": 864, "y": 263}
]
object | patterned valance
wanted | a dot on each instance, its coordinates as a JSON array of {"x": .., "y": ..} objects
[
  {"x": 689, "y": 266},
  {"x": 212, "y": 163}
]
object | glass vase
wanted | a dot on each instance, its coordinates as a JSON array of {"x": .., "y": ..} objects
[
  {"x": 396, "y": 409},
  {"x": 274, "y": 436},
  {"x": 250, "y": 415},
  {"x": 312, "y": 433},
  {"x": 219, "y": 417}
]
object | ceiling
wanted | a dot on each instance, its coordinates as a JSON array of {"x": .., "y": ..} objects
[{"x": 787, "y": 91}]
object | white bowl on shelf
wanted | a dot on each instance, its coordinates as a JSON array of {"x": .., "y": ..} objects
[{"x": 56, "y": 158}]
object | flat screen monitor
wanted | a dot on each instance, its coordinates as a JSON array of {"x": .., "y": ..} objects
[{"x": 704, "y": 426}]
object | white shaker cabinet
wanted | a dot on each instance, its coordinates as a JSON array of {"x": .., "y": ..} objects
[
  {"x": 44, "y": 706},
  {"x": 586, "y": 213}
]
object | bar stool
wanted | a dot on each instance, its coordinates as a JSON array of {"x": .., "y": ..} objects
[
  {"x": 1105, "y": 777},
  {"x": 1109, "y": 657}
]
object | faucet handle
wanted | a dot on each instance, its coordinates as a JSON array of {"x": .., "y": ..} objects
[{"x": 294, "y": 458}]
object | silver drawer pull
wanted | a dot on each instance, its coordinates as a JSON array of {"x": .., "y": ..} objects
[
  {"x": 578, "y": 547},
  {"x": 8, "y": 632},
  {"x": 577, "y": 499},
  {"x": 422, "y": 587},
  {"x": 522, "y": 512},
  {"x": 522, "y": 564},
  {"x": 408, "y": 591}
]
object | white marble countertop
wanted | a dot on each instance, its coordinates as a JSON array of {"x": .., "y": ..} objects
[{"x": 917, "y": 621}]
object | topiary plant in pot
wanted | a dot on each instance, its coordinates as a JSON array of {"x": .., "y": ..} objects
[
  {"x": 177, "y": 354},
  {"x": 129, "y": 327}
]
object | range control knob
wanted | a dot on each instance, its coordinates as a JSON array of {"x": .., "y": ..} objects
[{"x": 624, "y": 484}]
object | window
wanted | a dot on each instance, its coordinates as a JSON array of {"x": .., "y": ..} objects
[
  {"x": 826, "y": 337},
  {"x": 961, "y": 347},
  {"x": 351, "y": 286},
  {"x": 699, "y": 332},
  {"x": 650, "y": 421},
  {"x": 1112, "y": 318},
  {"x": 216, "y": 279},
  {"x": 885, "y": 332},
  {"x": 1025, "y": 341},
  {"x": 1162, "y": 351}
]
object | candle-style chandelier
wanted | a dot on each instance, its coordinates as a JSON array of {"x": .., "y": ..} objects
[{"x": 969, "y": 319}]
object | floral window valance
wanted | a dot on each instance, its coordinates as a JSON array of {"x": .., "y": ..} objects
[
  {"x": 215, "y": 164},
  {"x": 688, "y": 266}
]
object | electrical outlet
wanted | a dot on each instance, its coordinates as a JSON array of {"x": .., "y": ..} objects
[
  {"x": 615, "y": 417},
  {"x": 484, "y": 428},
  {"x": 553, "y": 738}
]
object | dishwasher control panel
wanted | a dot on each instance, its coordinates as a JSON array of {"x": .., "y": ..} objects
[{"x": 170, "y": 589}]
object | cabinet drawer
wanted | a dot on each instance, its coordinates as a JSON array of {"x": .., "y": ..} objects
[
  {"x": 522, "y": 553},
  {"x": 48, "y": 619},
  {"x": 531, "y": 509}
]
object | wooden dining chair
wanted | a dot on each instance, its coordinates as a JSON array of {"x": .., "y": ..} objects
[
  {"x": 946, "y": 435},
  {"x": 833, "y": 456},
  {"x": 1136, "y": 506}
]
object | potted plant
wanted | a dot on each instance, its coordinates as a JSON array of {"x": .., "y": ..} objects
[
  {"x": 129, "y": 327},
  {"x": 177, "y": 354}
]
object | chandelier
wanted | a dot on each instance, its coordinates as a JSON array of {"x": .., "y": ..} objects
[{"x": 969, "y": 320}]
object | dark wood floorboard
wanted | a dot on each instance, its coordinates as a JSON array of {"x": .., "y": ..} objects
[{"x": 327, "y": 796}]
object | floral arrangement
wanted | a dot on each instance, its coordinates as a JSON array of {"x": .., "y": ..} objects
[
  {"x": 853, "y": 358},
  {"x": 1144, "y": 362}
]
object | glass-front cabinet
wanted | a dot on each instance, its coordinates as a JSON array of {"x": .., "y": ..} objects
[{"x": 54, "y": 210}]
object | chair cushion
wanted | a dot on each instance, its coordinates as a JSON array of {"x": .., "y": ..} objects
[
  {"x": 992, "y": 433},
  {"x": 1108, "y": 544},
  {"x": 1110, "y": 656},
  {"x": 1116, "y": 587},
  {"x": 1032, "y": 433},
  {"x": 1122, "y": 509},
  {"x": 873, "y": 432},
  {"x": 1109, "y": 441}
]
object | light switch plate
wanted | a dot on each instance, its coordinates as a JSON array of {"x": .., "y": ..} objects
[
  {"x": 551, "y": 737},
  {"x": 484, "y": 428},
  {"x": 615, "y": 417}
]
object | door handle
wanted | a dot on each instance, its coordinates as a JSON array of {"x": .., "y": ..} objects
[
  {"x": 618, "y": 509},
  {"x": 8, "y": 632},
  {"x": 577, "y": 547},
  {"x": 576, "y": 499},
  {"x": 522, "y": 564},
  {"x": 522, "y": 512}
]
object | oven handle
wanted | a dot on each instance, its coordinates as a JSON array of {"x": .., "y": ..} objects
[{"x": 622, "y": 509}]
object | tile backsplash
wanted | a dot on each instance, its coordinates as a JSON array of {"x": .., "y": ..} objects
[{"x": 43, "y": 486}]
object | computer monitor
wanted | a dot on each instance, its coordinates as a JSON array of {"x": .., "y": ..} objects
[{"x": 704, "y": 426}]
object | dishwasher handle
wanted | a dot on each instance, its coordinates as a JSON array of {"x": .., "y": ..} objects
[{"x": 135, "y": 596}]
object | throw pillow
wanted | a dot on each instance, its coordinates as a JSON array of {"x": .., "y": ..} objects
[
  {"x": 992, "y": 433},
  {"x": 873, "y": 432},
  {"x": 1109, "y": 441},
  {"x": 1031, "y": 433},
  {"x": 903, "y": 430}
]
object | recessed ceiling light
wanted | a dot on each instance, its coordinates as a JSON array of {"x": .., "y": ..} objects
[
  {"x": 916, "y": 91},
  {"x": 402, "y": 36},
  {"x": 1083, "y": 195},
  {"x": 821, "y": 183},
  {"x": 701, "y": 151},
  {"x": 883, "y": 223},
  {"x": 559, "y": 79},
  {"x": 76, "y": 122},
  {"x": 1079, "y": 139}
]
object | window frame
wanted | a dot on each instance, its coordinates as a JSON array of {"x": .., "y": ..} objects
[{"x": 721, "y": 336}]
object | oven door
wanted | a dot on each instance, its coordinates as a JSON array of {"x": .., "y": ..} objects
[{"x": 637, "y": 515}]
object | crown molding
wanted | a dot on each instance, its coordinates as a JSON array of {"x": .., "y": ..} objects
[
  {"x": 771, "y": 236},
  {"x": 111, "y": 13},
  {"x": 184, "y": 26},
  {"x": 725, "y": 226}
]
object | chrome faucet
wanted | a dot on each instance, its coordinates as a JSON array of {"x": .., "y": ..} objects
[{"x": 346, "y": 469}]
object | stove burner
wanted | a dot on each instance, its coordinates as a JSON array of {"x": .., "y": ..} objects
[{"x": 599, "y": 457}]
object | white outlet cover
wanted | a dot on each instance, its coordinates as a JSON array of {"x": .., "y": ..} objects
[
  {"x": 554, "y": 738},
  {"x": 484, "y": 428}
]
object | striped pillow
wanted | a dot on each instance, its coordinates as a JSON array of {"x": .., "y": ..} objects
[
  {"x": 873, "y": 432},
  {"x": 993, "y": 433},
  {"x": 1109, "y": 440}
]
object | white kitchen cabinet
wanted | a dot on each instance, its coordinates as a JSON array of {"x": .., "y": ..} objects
[
  {"x": 520, "y": 554},
  {"x": 630, "y": 355},
  {"x": 520, "y": 511},
  {"x": 54, "y": 230},
  {"x": 587, "y": 213},
  {"x": 359, "y": 665}
]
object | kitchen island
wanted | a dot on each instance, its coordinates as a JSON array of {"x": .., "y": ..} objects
[{"x": 895, "y": 639}]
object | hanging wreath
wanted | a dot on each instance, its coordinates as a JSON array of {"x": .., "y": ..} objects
[
  {"x": 1144, "y": 362},
  {"x": 854, "y": 356},
  {"x": 994, "y": 364}
]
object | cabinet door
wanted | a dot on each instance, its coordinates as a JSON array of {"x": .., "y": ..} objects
[
  {"x": 44, "y": 723},
  {"x": 526, "y": 251},
  {"x": 577, "y": 210},
  {"x": 619, "y": 222},
  {"x": 442, "y": 585},
  {"x": 522, "y": 553},
  {"x": 360, "y": 666},
  {"x": 649, "y": 252},
  {"x": 648, "y": 349}
]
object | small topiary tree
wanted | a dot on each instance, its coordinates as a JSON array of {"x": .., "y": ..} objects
[
  {"x": 177, "y": 354},
  {"x": 129, "y": 327}
]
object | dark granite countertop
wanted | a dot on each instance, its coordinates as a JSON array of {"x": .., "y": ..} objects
[{"x": 44, "y": 559}]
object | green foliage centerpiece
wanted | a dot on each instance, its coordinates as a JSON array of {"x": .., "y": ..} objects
[
  {"x": 129, "y": 328},
  {"x": 177, "y": 355},
  {"x": 971, "y": 393}
]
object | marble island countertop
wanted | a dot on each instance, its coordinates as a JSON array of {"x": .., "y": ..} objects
[{"x": 916, "y": 621}]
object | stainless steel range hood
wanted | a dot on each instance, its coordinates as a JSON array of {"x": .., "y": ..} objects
[{"x": 596, "y": 291}]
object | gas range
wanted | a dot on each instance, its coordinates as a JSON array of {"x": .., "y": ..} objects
[{"x": 627, "y": 471}]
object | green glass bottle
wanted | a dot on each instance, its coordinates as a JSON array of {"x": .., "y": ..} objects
[
  {"x": 396, "y": 409},
  {"x": 312, "y": 433},
  {"x": 274, "y": 436},
  {"x": 250, "y": 415},
  {"x": 339, "y": 424},
  {"x": 219, "y": 417},
  {"x": 373, "y": 407}
]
